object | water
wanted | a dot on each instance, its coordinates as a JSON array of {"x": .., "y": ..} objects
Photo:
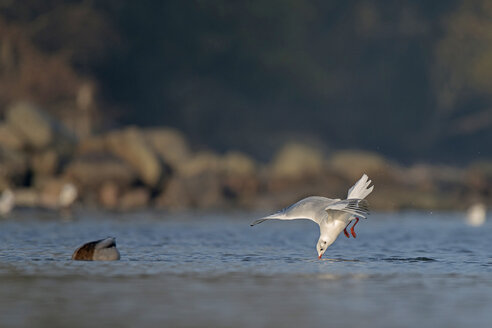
[{"x": 403, "y": 270}]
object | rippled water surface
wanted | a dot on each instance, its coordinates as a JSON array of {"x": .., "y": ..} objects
[{"x": 403, "y": 270}]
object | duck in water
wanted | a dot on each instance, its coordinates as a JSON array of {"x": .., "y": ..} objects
[{"x": 99, "y": 250}]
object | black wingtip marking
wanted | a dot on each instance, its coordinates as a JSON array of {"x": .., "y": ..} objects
[{"x": 258, "y": 222}]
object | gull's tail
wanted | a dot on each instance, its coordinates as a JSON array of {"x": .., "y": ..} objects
[{"x": 360, "y": 189}]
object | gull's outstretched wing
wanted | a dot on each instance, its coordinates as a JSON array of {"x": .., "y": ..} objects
[
  {"x": 354, "y": 206},
  {"x": 274, "y": 217},
  {"x": 310, "y": 208},
  {"x": 360, "y": 189}
]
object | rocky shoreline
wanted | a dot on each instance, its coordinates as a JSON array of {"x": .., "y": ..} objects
[{"x": 134, "y": 168}]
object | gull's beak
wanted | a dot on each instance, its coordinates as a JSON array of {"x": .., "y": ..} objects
[{"x": 319, "y": 257}]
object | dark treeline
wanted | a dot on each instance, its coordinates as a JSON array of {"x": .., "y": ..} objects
[{"x": 409, "y": 79}]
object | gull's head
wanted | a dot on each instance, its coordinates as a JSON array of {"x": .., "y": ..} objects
[{"x": 322, "y": 245}]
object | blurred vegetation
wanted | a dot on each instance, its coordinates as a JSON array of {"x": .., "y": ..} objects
[{"x": 409, "y": 79}]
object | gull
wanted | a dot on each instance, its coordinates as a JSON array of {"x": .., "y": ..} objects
[
  {"x": 7, "y": 202},
  {"x": 99, "y": 250},
  {"x": 476, "y": 215},
  {"x": 332, "y": 215},
  {"x": 66, "y": 198},
  {"x": 68, "y": 195}
]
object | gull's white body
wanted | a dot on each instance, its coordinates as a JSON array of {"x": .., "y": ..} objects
[{"x": 332, "y": 215}]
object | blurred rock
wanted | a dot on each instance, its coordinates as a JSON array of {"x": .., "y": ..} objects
[
  {"x": 49, "y": 193},
  {"x": 130, "y": 145},
  {"x": 170, "y": 144},
  {"x": 90, "y": 171},
  {"x": 175, "y": 196},
  {"x": 240, "y": 175},
  {"x": 30, "y": 123},
  {"x": 206, "y": 191},
  {"x": 5, "y": 183},
  {"x": 13, "y": 166},
  {"x": 238, "y": 164},
  {"x": 26, "y": 197},
  {"x": 479, "y": 178},
  {"x": 108, "y": 195},
  {"x": 296, "y": 161},
  {"x": 437, "y": 178},
  {"x": 353, "y": 163},
  {"x": 9, "y": 139},
  {"x": 396, "y": 198},
  {"x": 419, "y": 176},
  {"x": 201, "y": 162},
  {"x": 207, "y": 180},
  {"x": 134, "y": 199},
  {"x": 202, "y": 190},
  {"x": 93, "y": 144},
  {"x": 56, "y": 193},
  {"x": 45, "y": 162},
  {"x": 36, "y": 129}
]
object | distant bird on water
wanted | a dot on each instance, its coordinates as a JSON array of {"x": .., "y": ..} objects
[
  {"x": 476, "y": 215},
  {"x": 68, "y": 195},
  {"x": 332, "y": 215},
  {"x": 66, "y": 198},
  {"x": 7, "y": 202},
  {"x": 99, "y": 250}
]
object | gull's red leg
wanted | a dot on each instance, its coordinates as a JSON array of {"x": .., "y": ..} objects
[
  {"x": 352, "y": 229},
  {"x": 345, "y": 231}
]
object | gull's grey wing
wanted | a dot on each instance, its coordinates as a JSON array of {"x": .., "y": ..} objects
[
  {"x": 311, "y": 208},
  {"x": 274, "y": 217},
  {"x": 354, "y": 206}
]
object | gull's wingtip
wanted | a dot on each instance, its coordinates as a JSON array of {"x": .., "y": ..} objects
[
  {"x": 361, "y": 188},
  {"x": 257, "y": 222}
]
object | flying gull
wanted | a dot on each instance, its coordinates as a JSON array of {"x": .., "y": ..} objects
[{"x": 332, "y": 215}]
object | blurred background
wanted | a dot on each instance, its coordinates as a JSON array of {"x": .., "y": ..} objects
[{"x": 220, "y": 104}]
